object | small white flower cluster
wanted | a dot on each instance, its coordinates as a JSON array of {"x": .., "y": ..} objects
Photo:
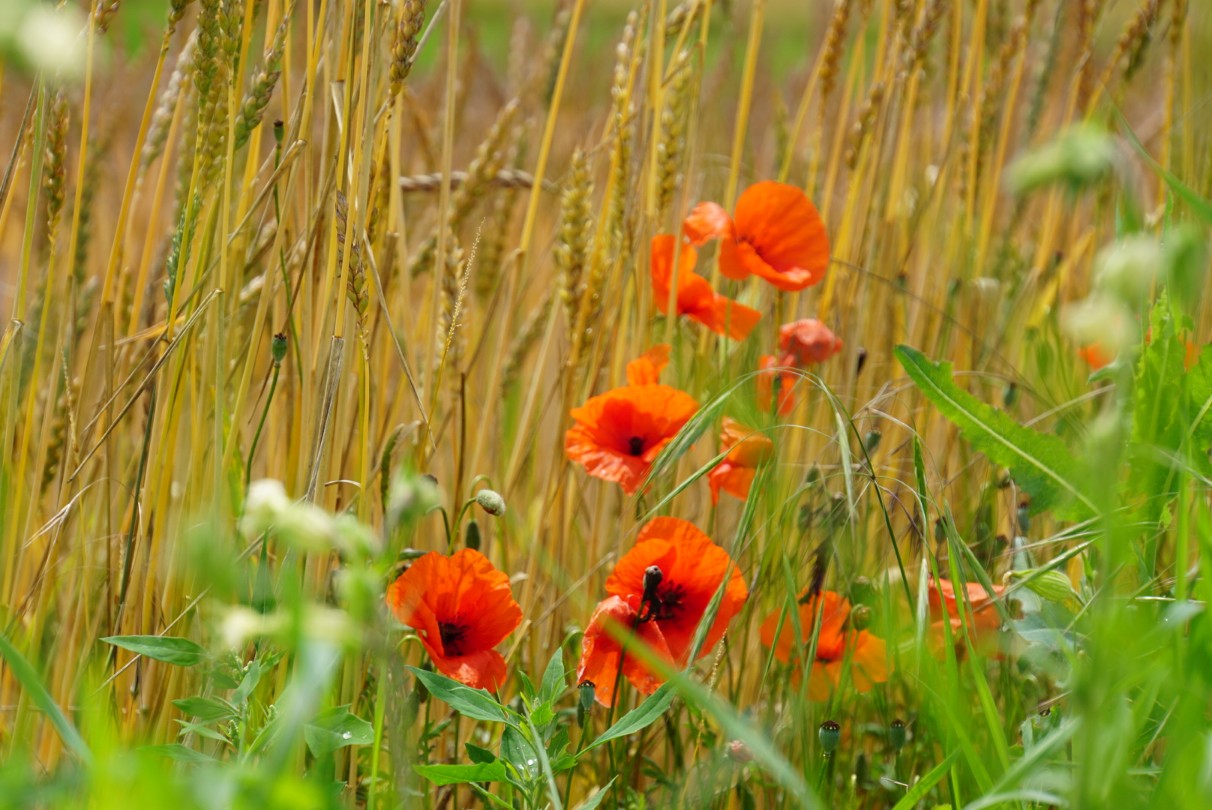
[
  {"x": 1125, "y": 273},
  {"x": 301, "y": 524}
]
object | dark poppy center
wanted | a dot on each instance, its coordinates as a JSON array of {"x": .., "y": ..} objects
[
  {"x": 635, "y": 446},
  {"x": 668, "y": 602},
  {"x": 452, "y": 636}
]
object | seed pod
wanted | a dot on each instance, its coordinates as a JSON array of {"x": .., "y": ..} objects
[
  {"x": 585, "y": 693},
  {"x": 896, "y": 734},
  {"x": 830, "y": 734}
]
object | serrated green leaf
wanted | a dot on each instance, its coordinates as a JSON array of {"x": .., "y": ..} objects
[
  {"x": 1041, "y": 464},
  {"x": 518, "y": 752},
  {"x": 477, "y": 704},
  {"x": 337, "y": 728},
  {"x": 171, "y": 650},
  {"x": 462, "y": 774}
]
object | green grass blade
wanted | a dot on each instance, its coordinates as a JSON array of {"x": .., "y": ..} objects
[{"x": 29, "y": 679}]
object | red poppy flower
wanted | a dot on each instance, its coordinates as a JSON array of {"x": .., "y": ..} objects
[
  {"x": 839, "y": 649},
  {"x": 601, "y": 649},
  {"x": 646, "y": 369},
  {"x": 746, "y": 450},
  {"x": 984, "y": 620},
  {"x": 776, "y": 234},
  {"x": 461, "y": 607},
  {"x": 617, "y": 435},
  {"x": 691, "y": 568},
  {"x": 695, "y": 298},
  {"x": 807, "y": 341},
  {"x": 786, "y": 380}
]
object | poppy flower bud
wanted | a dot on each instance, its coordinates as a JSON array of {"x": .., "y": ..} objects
[
  {"x": 896, "y": 734},
  {"x": 277, "y": 348},
  {"x": 738, "y": 752},
  {"x": 471, "y": 539},
  {"x": 830, "y": 734},
  {"x": 585, "y": 694},
  {"x": 279, "y": 131},
  {"x": 491, "y": 501}
]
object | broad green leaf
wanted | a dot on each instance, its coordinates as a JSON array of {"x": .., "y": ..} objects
[
  {"x": 208, "y": 710},
  {"x": 518, "y": 752},
  {"x": 462, "y": 774},
  {"x": 479, "y": 755},
  {"x": 1041, "y": 464},
  {"x": 477, "y": 704},
  {"x": 31, "y": 682},
  {"x": 641, "y": 717},
  {"x": 337, "y": 728},
  {"x": 169, "y": 649},
  {"x": 181, "y": 753}
]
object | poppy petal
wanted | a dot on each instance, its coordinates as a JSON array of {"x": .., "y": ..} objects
[
  {"x": 484, "y": 669},
  {"x": 727, "y": 317},
  {"x": 782, "y": 228},
  {"x": 646, "y": 369},
  {"x": 733, "y": 479},
  {"x": 601, "y": 650},
  {"x": 707, "y": 221}
]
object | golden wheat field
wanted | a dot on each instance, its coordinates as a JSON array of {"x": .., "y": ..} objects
[{"x": 630, "y": 404}]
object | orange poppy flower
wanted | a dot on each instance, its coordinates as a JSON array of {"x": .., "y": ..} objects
[
  {"x": 984, "y": 620},
  {"x": 776, "y": 234},
  {"x": 807, "y": 341},
  {"x": 695, "y": 298},
  {"x": 786, "y": 380},
  {"x": 1095, "y": 355},
  {"x": 646, "y": 369},
  {"x": 689, "y": 569},
  {"x": 839, "y": 649},
  {"x": 617, "y": 435},
  {"x": 617, "y": 618},
  {"x": 746, "y": 450},
  {"x": 461, "y": 607}
]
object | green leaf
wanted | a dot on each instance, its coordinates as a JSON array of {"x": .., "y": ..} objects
[
  {"x": 1199, "y": 206},
  {"x": 594, "y": 799},
  {"x": 518, "y": 752},
  {"x": 337, "y": 728},
  {"x": 208, "y": 710},
  {"x": 639, "y": 718},
  {"x": 479, "y": 755},
  {"x": 181, "y": 753},
  {"x": 1158, "y": 398},
  {"x": 1041, "y": 464},
  {"x": 462, "y": 774},
  {"x": 553, "y": 678},
  {"x": 31, "y": 682},
  {"x": 477, "y": 704},
  {"x": 169, "y": 649}
]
